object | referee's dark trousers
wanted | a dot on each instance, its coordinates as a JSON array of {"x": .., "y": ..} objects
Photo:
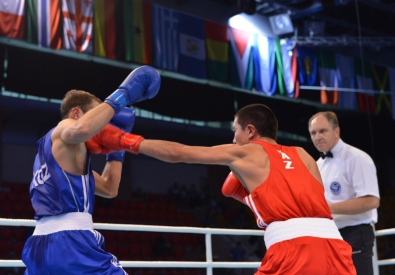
[{"x": 361, "y": 238}]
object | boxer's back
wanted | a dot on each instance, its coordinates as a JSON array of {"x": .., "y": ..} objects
[{"x": 290, "y": 189}]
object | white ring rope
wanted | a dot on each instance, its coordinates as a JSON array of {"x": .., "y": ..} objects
[
  {"x": 154, "y": 264},
  {"x": 147, "y": 228},
  {"x": 209, "y": 264}
]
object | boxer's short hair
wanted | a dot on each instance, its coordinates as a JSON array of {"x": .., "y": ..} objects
[
  {"x": 261, "y": 116},
  {"x": 77, "y": 98}
]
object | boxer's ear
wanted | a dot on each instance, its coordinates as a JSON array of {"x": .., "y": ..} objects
[
  {"x": 76, "y": 113},
  {"x": 251, "y": 131}
]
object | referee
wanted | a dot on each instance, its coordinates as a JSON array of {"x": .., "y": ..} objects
[{"x": 351, "y": 187}]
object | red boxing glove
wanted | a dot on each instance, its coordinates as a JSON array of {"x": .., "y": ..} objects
[
  {"x": 95, "y": 148},
  {"x": 232, "y": 187},
  {"x": 112, "y": 139}
]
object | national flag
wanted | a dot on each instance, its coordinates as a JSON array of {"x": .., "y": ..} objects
[
  {"x": 264, "y": 64},
  {"x": 77, "y": 25},
  {"x": 166, "y": 42},
  {"x": 381, "y": 83},
  {"x": 364, "y": 80},
  {"x": 104, "y": 28},
  {"x": 286, "y": 69},
  {"x": 43, "y": 23},
  {"x": 289, "y": 68},
  {"x": 307, "y": 65},
  {"x": 217, "y": 43},
  {"x": 12, "y": 20},
  {"x": 242, "y": 62},
  {"x": 345, "y": 69},
  {"x": 392, "y": 89},
  {"x": 294, "y": 72},
  {"x": 280, "y": 70},
  {"x": 328, "y": 76},
  {"x": 137, "y": 24},
  {"x": 192, "y": 46}
]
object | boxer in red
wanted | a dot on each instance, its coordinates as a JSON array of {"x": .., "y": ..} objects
[{"x": 281, "y": 185}]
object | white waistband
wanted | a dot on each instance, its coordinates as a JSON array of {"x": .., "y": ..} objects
[
  {"x": 68, "y": 221},
  {"x": 300, "y": 227}
]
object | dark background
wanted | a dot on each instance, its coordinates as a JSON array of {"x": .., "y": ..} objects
[
  {"x": 50, "y": 75},
  {"x": 45, "y": 73}
]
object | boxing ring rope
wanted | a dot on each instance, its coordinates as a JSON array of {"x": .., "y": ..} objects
[{"x": 208, "y": 232}]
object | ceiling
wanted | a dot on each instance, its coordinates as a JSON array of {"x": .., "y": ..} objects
[
  {"x": 352, "y": 27},
  {"x": 341, "y": 17},
  {"x": 359, "y": 28}
]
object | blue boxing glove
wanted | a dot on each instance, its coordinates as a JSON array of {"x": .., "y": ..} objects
[
  {"x": 124, "y": 120},
  {"x": 141, "y": 83}
]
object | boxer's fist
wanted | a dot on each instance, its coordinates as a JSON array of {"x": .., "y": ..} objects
[
  {"x": 124, "y": 120},
  {"x": 94, "y": 146},
  {"x": 112, "y": 139},
  {"x": 232, "y": 187},
  {"x": 141, "y": 83}
]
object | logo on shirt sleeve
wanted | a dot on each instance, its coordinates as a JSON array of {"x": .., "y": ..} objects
[{"x": 335, "y": 188}]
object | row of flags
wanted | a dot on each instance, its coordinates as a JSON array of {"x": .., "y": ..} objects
[
  {"x": 141, "y": 32},
  {"x": 317, "y": 67}
]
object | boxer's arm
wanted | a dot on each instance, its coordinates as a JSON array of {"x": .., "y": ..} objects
[
  {"x": 107, "y": 184},
  {"x": 142, "y": 83},
  {"x": 72, "y": 131},
  {"x": 227, "y": 154},
  {"x": 112, "y": 138}
]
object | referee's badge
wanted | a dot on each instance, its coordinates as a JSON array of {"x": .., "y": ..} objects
[{"x": 336, "y": 188}]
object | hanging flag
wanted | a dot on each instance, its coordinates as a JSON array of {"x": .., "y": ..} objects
[
  {"x": 328, "y": 77},
  {"x": 192, "y": 46},
  {"x": 242, "y": 62},
  {"x": 280, "y": 70},
  {"x": 137, "y": 24},
  {"x": 363, "y": 74},
  {"x": 307, "y": 70},
  {"x": 381, "y": 83},
  {"x": 289, "y": 73},
  {"x": 165, "y": 30},
  {"x": 392, "y": 89},
  {"x": 43, "y": 23},
  {"x": 286, "y": 69},
  {"x": 12, "y": 21},
  {"x": 294, "y": 72},
  {"x": 77, "y": 25},
  {"x": 104, "y": 28},
  {"x": 264, "y": 65},
  {"x": 307, "y": 61},
  {"x": 345, "y": 69},
  {"x": 217, "y": 43}
]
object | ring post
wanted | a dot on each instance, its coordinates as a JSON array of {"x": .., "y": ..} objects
[{"x": 209, "y": 254}]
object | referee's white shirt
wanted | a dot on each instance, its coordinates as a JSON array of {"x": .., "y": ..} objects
[{"x": 351, "y": 173}]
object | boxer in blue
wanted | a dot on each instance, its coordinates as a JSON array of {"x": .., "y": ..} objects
[{"x": 64, "y": 185}]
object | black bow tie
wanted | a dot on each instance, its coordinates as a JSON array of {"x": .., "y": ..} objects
[{"x": 323, "y": 155}]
